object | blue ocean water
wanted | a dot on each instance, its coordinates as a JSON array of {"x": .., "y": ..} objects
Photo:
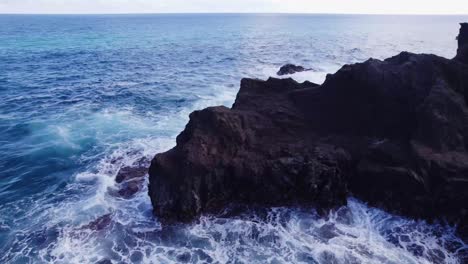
[{"x": 82, "y": 96}]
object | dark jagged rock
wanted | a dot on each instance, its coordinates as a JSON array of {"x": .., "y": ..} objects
[
  {"x": 105, "y": 261},
  {"x": 226, "y": 155},
  {"x": 130, "y": 173},
  {"x": 462, "y": 52},
  {"x": 290, "y": 69},
  {"x": 393, "y": 133},
  {"x": 100, "y": 223},
  {"x": 130, "y": 179},
  {"x": 405, "y": 123}
]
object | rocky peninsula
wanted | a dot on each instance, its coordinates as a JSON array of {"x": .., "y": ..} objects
[{"x": 393, "y": 133}]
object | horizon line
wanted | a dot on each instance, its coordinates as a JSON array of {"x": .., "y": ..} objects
[{"x": 242, "y": 13}]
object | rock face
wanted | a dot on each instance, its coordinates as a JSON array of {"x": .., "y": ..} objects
[
  {"x": 393, "y": 133},
  {"x": 239, "y": 155},
  {"x": 290, "y": 69},
  {"x": 462, "y": 53}
]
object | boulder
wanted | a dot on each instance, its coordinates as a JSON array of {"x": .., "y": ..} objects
[
  {"x": 290, "y": 69},
  {"x": 393, "y": 133},
  {"x": 130, "y": 179}
]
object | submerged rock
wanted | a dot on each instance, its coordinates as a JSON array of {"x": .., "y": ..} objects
[
  {"x": 130, "y": 179},
  {"x": 393, "y": 133},
  {"x": 105, "y": 261},
  {"x": 100, "y": 223},
  {"x": 290, "y": 69}
]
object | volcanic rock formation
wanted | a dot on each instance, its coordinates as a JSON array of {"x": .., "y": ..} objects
[{"x": 393, "y": 133}]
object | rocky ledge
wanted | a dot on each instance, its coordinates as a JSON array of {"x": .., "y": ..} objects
[{"x": 393, "y": 133}]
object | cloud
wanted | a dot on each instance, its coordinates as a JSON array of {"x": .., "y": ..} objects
[{"x": 276, "y": 6}]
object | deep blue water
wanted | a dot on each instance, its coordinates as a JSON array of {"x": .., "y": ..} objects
[{"x": 81, "y": 96}]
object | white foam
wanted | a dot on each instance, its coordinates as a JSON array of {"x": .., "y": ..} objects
[
  {"x": 355, "y": 234},
  {"x": 316, "y": 75},
  {"x": 135, "y": 214}
]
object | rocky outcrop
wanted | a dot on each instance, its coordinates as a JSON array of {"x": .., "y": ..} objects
[
  {"x": 290, "y": 69},
  {"x": 393, "y": 133},
  {"x": 240, "y": 155},
  {"x": 462, "y": 52},
  {"x": 404, "y": 121}
]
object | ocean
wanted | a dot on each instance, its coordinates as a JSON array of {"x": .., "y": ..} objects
[{"x": 84, "y": 95}]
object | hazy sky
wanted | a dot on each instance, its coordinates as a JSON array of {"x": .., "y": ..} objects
[{"x": 276, "y": 6}]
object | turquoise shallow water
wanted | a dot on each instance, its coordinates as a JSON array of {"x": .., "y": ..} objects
[{"x": 82, "y": 96}]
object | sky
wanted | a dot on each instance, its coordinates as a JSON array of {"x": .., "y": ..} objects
[{"x": 237, "y": 6}]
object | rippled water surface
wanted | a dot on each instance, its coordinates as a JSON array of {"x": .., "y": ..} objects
[{"x": 82, "y": 96}]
